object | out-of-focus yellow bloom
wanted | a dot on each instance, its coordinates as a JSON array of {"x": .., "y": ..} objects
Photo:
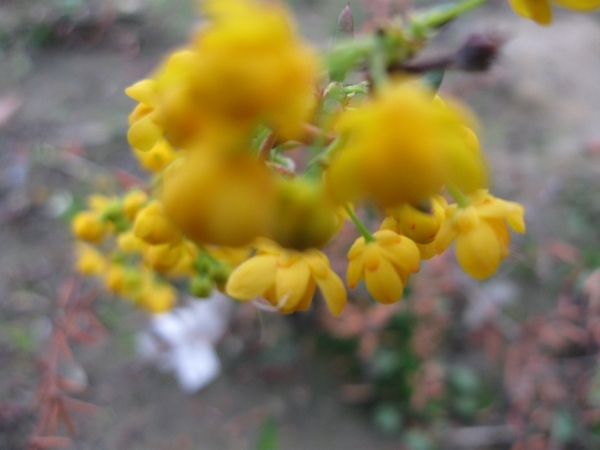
[
  {"x": 155, "y": 297},
  {"x": 89, "y": 261},
  {"x": 246, "y": 65},
  {"x": 427, "y": 251},
  {"x": 234, "y": 256},
  {"x": 385, "y": 264},
  {"x": 89, "y": 226},
  {"x": 128, "y": 242},
  {"x": 185, "y": 265},
  {"x": 144, "y": 128},
  {"x": 481, "y": 232},
  {"x": 133, "y": 202},
  {"x": 287, "y": 279},
  {"x": 152, "y": 225},
  {"x": 157, "y": 158},
  {"x": 219, "y": 199},
  {"x": 99, "y": 203},
  {"x": 541, "y": 11},
  {"x": 402, "y": 147},
  {"x": 164, "y": 257},
  {"x": 304, "y": 216},
  {"x": 418, "y": 225},
  {"x": 122, "y": 280}
]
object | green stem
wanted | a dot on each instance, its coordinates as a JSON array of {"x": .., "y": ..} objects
[
  {"x": 361, "y": 226},
  {"x": 323, "y": 159},
  {"x": 443, "y": 13},
  {"x": 378, "y": 69},
  {"x": 459, "y": 197}
]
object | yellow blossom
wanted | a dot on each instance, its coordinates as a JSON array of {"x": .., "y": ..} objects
[
  {"x": 163, "y": 257},
  {"x": 128, "y": 242},
  {"x": 219, "y": 199},
  {"x": 287, "y": 279},
  {"x": 144, "y": 128},
  {"x": 89, "y": 261},
  {"x": 246, "y": 65},
  {"x": 152, "y": 225},
  {"x": 541, "y": 11},
  {"x": 481, "y": 232},
  {"x": 233, "y": 256},
  {"x": 304, "y": 216},
  {"x": 419, "y": 225},
  {"x": 402, "y": 147},
  {"x": 89, "y": 226},
  {"x": 156, "y": 297},
  {"x": 121, "y": 280},
  {"x": 157, "y": 158},
  {"x": 133, "y": 202},
  {"x": 385, "y": 264}
]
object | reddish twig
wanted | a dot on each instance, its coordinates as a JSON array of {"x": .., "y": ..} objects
[{"x": 74, "y": 321}]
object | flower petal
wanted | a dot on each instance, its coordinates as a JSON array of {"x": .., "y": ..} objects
[
  {"x": 355, "y": 272},
  {"x": 479, "y": 251},
  {"x": 252, "y": 278},
  {"x": 384, "y": 283},
  {"x": 291, "y": 283},
  {"x": 304, "y": 302},
  {"x": 334, "y": 292}
]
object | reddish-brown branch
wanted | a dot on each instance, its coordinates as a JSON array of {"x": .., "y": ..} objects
[{"x": 74, "y": 321}]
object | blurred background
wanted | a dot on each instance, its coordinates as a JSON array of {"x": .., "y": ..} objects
[{"x": 508, "y": 363}]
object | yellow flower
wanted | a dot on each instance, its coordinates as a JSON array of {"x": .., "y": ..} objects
[
  {"x": 304, "y": 216},
  {"x": 481, "y": 232},
  {"x": 128, "y": 242},
  {"x": 541, "y": 11},
  {"x": 133, "y": 202},
  {"x": 246, "y": 65},
  {"x": 287, "y": 279},
  {"x": 219, "y": 199},
  {"x": 157, "y": 158},
  {"x": 89, "y": 261},
  {"x": 164, "y": 257},
  {"x": 156, "y": 297},
  {"x": 233, "y": 256},
  {"x": 122, "y": 280},
  {"x": 418, "y": 225},
  {"x": 427, "y": 251},
  {"x": 385, "y": 264},
  {"x": 152, "y": 225},
  {"x": 144, "y": 128},
  {"x": 89, "y": 226},
  {"x": 402, "y": 147}
]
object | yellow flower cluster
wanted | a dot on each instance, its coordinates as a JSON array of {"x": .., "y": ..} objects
[{"x": 228, "y": 207}]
